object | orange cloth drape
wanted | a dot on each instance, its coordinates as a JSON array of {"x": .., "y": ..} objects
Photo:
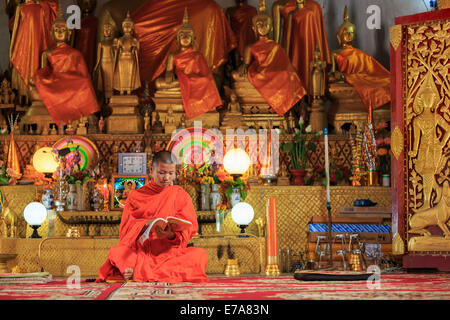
[
  {"x": 156, "y": 23},
  {"x": 198, "y": 88},
  {"x": 159, "y": 260},
  {"x": 32, "y": 38},
  {"x": 86, "y": 40},
  {"x": 241, "y": 24},
  {"x": 272, "y": 74},
  {"x": 50, "y": 8},
  {"x": 369, "y": 78},
  {"x": 308, "y": 30},
  {"x": 65, "y": 85}
]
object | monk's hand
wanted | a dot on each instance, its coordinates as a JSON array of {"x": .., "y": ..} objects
[{"x": 166, "y": 233}]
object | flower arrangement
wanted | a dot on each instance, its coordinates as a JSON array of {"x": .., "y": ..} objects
[
  {"x": 383, "y": 142},
  {"x": 299, "y": 145},
  {"x": 229, "y": 183}
]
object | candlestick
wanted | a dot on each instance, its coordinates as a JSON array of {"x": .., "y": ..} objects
[
  {"x": 327, "y": 166},
  {"x": 272, "y": 268}
]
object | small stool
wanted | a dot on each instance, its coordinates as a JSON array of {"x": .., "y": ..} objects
[
  {"x": 4, "y": 257},
  {"x": 341, "y": 252}
]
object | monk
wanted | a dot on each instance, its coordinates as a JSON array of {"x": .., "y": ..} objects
[
  {"x": 268, "y": 69},
  {"x": 166, "y": 257}
]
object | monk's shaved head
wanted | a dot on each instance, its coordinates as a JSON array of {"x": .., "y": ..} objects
[{"x": 163, "y": 156}]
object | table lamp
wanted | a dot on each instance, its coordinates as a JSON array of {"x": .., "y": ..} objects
[
  {"x": 242, "y": 214},
  {"x": 34, "y": 214},
  {"x": 44, "y": 161},
  {"x": 236, "y": 162}
]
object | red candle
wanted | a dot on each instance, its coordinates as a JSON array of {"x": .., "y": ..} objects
[
  {"x": 105, "y": 191},
  {"x": 271, "y": 238}
]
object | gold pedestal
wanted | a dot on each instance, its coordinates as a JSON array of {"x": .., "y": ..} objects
[
  {"x": 430, "y": 243},
  {"x": 125, "y": 117},
  {"x": 256, "y": 111},
  {"x": 37, "y": 114},
  {"x": 347, "y": 107},
  {"x": 172, "y": 98},
  {"x": 272, "y": 270},
  {"x": 232, "y": 268},
  {"x": 318, "y": 118},
  {"x": 233, "y": 121}
]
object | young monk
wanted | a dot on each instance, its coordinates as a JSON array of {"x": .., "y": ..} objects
[{"x": 166, "y": 257}]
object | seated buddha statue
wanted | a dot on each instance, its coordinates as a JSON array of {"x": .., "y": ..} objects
[
  {"x": 268, "y": 69},
  {"x": 63, "y": 83},
  {"x": 365, "y": 74},
  {"x": 188, "y": 70}
]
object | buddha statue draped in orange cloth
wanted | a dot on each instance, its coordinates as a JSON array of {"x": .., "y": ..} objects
[
  {"x": 164, "y": 257},
  {"x": 240, "y": 17},
  {"x": 86, "y": 37},
  {"x": 268, "y": 69},
  {"x": 30, "y": 37},
  {"x": 64, "y": 83},
  {"x": 305, "y": 30},
  {"x": 155, "y": 25},
  {"x": 369, "y": 78},
  {"x": 195, "y": 80}
]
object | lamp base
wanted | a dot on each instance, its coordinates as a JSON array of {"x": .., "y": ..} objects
[
  {"x": 35, "y": 233},
  {"x": 242, "y": 231}
]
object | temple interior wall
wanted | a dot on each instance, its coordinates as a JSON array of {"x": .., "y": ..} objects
[{"x": 374, "y": 42}]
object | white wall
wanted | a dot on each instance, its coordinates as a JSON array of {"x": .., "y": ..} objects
[{"x": 374, "y": 42}]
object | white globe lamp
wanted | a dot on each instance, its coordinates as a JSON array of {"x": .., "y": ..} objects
[
  {"x": 236, "y": 162},
  {"x": 35, "y": 213},
  {"x": 242, "y": 214}
]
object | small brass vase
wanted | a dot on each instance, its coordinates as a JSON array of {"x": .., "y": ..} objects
[{"x": 232, "y": 268}]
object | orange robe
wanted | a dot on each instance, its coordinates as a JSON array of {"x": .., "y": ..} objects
[
  {"x": 65, "y": 85},
  {"x": 86, "y": 40},
  {"x": 31, "y": 40},
  {"x": 241, "y": 24},
  {"x": 198, "y": 88},
  {"x": 273, "y": 76},
  {"x": 308, "y": 30},
  {"x": 369, "y": 78},
  {"x": 50, "y": 8},
  {"x": 156, "y": 23},
  {"x": 159, "y": 260}
]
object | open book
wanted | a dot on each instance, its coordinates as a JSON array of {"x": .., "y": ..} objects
[{"x": 176, "y": 224}]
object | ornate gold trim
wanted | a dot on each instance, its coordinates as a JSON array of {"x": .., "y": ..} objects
[
  {"x": 396, "y": 142},
  {"x": 396, "y": 35},
  {"x": 443, "y": 4}
]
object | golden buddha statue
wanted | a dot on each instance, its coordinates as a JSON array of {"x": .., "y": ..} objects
[
  {"x": 317, "y": 117},
  {"x": 63, "y": 83},
  {"x": 86, "y": 36},
  {"x": 367, "y": 76},
  {"x": 305, "y": 18},
  {"x": 7, "y": 95},
  {"x": 104, "y": 68},
  {"x": 126, "y": 66},
  {"x": 268, "y": 69},
  {"x": 193, "y": 76},
  {"x": 30, "y": 37}
]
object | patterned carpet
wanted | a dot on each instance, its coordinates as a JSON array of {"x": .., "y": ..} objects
[{"x": 399, "y": 286}]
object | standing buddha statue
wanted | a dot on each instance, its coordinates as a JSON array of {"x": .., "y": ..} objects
[
  {"x": 104, "y": 68},
  {"x": 304, "y": 31},
  {"x": 63, "y": 83},
  {"x": 268, "y": 69},
  {"x": 86, "y": 36},
  {"x": 369, "y": 78},
  {"x": 126, "y": 66},
  {"x": 30, "y": 37},
  {"x": 198, "y": 89}
]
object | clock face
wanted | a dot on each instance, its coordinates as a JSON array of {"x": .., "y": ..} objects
[{"x": 134, "y": 163}]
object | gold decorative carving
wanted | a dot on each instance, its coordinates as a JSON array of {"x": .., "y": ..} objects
[
  {"x": 427, "y": 125},
  {"x": 397, "y": 142},
  {"x": 398, "y": 246},
  {"x": 396, "y": 36}
]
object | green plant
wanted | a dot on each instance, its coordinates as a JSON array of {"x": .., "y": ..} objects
[
  {"x": 236, "y": 183},
  {"x": 298, "y": 146}
]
